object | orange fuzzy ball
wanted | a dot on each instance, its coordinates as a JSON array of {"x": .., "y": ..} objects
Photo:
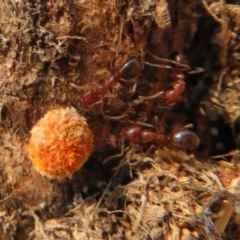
[{"x": 60, "y": 143}]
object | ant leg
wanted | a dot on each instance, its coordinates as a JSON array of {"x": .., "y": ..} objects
[
  {"x": 168, "y": 156},
  {"x": 168, "y": 98},
  {"x": 196, "y": 70},
  {"x": 188, "y": 126},
  {"x": 135, "y": 102},
  {"x": 149, "y": 150},
  {"x": 156, "y": 95},
  {"x": 142, "y": 124},
  {"x": 156, "y": 123},
  {"x": 116, "y": 155},
  {"x": 134, "y": 88},
  {"x": 111, "y": 117}
]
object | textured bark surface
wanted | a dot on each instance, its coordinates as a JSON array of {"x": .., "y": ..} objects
[{"x": 51, "y": 52}]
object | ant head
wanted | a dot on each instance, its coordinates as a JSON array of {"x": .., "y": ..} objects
[
  {"x": 131, "y": 68},
  {"x": 179, "y": 61}
]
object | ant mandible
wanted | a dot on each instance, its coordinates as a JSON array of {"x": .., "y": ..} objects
[
  {"x": 184, "y": 139},
  {"x": 130, "y": 69}
]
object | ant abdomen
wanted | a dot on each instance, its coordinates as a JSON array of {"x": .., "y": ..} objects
[{"x": 186, "y": 139}]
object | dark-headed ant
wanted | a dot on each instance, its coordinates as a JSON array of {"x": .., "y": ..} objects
[
  {"x": 184, "y": 139},
  {"x": 172, "y": 96},
  {"x": 130, "y": 69}
]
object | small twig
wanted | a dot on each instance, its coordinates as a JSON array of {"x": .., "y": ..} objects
[
  {"x": 222, "y": 74},
  {"x": 116, "y": 155},
  {"x": 224, "y": 28},
  {"x": 224, "y": 25},
  {"x": 38, "y": 225},
  {"x": 141, "y": 211},
  {"x": 214, "y": 16},
  {"x": 23, "y": 21},
  {"x": 232, "y": 153},
  {"x": 103, "y": 195},
  {"x": 72, "y": 37}
]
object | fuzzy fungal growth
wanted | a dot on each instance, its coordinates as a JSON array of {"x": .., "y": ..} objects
[{"x": 60, "y": 143}]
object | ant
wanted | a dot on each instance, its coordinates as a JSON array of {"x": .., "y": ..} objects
[
  {"x": 179, "y": 65},
  {"x": 184, "y": 139},
  {"x": 130, "y": 69}
]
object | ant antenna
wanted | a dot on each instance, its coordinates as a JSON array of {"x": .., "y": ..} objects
[{"x": 184, "y": 66}]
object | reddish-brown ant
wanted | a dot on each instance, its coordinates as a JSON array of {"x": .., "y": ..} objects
[
  {"x": 184, "y": 139},
  {"x": 178, "y": 85},
  {"x": 130, "y": 69}
]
